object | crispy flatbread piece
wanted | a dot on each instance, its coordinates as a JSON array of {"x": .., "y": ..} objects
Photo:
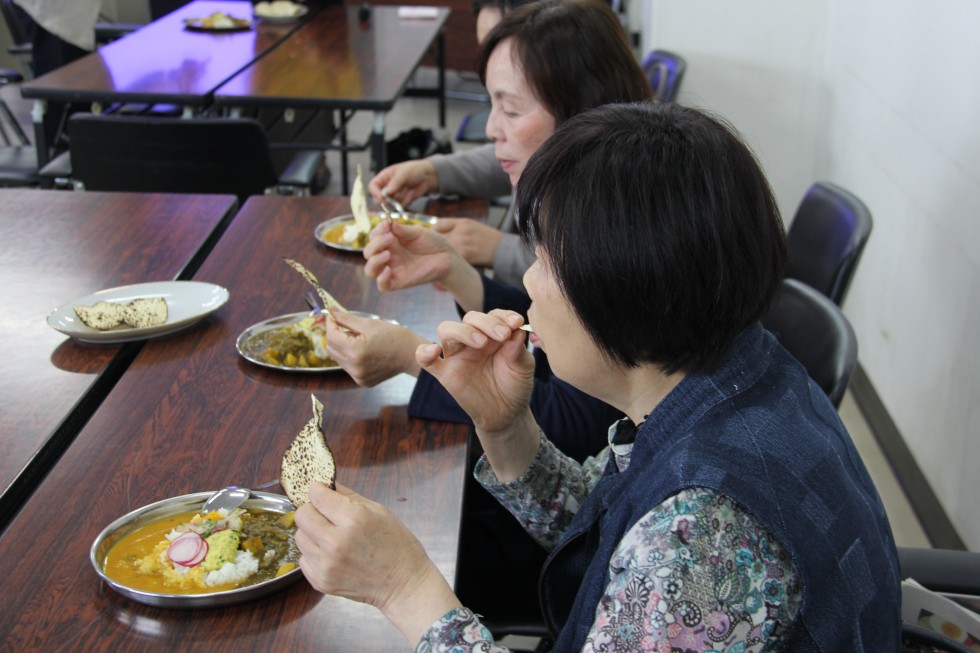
[
  {"x": 358, "y": 204},
  {"x": 308, "y": 459},
  {"x": 328, "y": 300},
  {"x": 101, "y": 315},
  {"x": 145, "y": 312}
]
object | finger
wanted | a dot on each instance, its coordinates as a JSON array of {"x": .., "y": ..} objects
[
  {"x": 443, "y": 225},
  {"x": 428, "y": 355},
  {"x": 462, "y": 333},
  {"x": 357, "y": 323},
  {"x": 375, "y": 265},
  {"x": 499, "y": 325}
]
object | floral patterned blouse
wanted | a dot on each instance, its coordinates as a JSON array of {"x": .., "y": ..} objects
[{"x": 695, "y": 574}]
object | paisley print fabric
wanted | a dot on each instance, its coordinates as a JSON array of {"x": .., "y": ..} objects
[{"x": 696, "y": 574}]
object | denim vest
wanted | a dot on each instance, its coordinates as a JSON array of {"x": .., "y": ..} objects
[{"x": 760, "y": 432}]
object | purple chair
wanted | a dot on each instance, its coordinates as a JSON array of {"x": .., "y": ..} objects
[{"x": 665, "y": 70}]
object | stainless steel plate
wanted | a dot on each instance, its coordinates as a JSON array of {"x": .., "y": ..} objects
[
  {"x": 251, "y": 353},
  {"x": 186, "y": 503},
  {"x": 336, "y": 225},
  {"x": 246, "y": 343}
]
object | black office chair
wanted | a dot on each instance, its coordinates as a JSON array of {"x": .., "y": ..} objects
[
  {"x": 194, "y": 155},
  {"x": 815, "y": 331},
  {"x": 826, "y": 239},
  {"x": 665, "y": 70},
  {"x": 18, "y": 158}
]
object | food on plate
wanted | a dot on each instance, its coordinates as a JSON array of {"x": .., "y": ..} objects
[
  {"x": 145, "y": 312},
  {"x": 193, "y": 553},
  {"x": 302, "y": 344},
  {"x": 277, "y": 9},
  {"x": 307, "y": 459},
  {"x": 140, "y": 313},
  {"x": 219, "y": 20},
  {"x": 346, "y": 232}
]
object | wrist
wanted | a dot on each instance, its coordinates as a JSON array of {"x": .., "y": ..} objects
[
  {"x": 464, "y": 282},
  {"x": 423, "y": 600},
  {"x": 511, "y": 449}
]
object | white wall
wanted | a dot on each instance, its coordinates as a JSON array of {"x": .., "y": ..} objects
[{"x": 883, "y": 98}]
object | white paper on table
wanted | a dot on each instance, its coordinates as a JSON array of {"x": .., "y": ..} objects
[{"x": 418, "y": 12}]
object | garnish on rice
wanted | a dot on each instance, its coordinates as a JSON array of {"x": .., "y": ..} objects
[{"x": 191, "y": 553}]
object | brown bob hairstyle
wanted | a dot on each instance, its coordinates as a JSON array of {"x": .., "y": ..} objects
[
  {"x": 573, "y": 53},
  {"x": 660, "y": 228}
]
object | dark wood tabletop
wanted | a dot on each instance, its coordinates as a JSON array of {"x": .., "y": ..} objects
[
  {"x": 338, "y": 61},
  {"x": 191, "y": 415},
  {"x": 59, "y": 246},
  {"x": 163, "y": 62}
]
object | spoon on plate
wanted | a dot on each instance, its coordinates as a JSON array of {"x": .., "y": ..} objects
[{"x": 231, "y": 497}]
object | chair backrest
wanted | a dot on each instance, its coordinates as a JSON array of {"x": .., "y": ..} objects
[
  {"x": 153, "y": 154},
  {"x": 665, "y": 70},
  {"x": 815, "y": 331},
  {"x": 826, "y": 239}
]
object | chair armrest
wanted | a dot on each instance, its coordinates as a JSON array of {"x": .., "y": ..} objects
[
  {"x": 9, "y": 76},
  {"x": 302, "y": 169},
  {"x": 21, "y": 50},
  {"x": 942, "y": 570}
]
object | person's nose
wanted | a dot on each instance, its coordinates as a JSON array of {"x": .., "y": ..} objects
[{"x": 493, "y": 129}]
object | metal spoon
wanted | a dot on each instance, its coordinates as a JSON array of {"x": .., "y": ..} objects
[
  {"x": 399, "y": 209},
  {"x": 231, "y": 497}
]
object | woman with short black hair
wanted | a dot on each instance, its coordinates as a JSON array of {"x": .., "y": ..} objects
[{"x": 730, "y": 510}]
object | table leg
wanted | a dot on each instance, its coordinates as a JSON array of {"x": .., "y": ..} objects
[
  {"x": 441, "y": 63},
  {"x": 40, "y": 136},
  {"x": 378, "y": 142}
]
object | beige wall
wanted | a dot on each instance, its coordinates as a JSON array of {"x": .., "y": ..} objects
[{"x": 882, "y": 97}]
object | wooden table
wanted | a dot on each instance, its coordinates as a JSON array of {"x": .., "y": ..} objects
[
  {"x": 160, "y": 63},
  {"x": 191, "y": 415},
  {"x": 337, "y": 62},
  {"x": 58, "y": 246}
]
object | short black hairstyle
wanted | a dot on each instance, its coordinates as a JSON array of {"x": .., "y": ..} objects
[
  {"x": 574, "y": 54},
  {"x": 661, "y": 229}
]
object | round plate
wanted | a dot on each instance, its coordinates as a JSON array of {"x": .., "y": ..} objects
[
  {"x": 303, "y": 10},
  {"x": 326, "y": 230},
  {"x": 279, "y": 322},
  {"x": 186, "y": 503},
  {"x": 198, "y": 25},
  {"x": 187, "y": 303}
]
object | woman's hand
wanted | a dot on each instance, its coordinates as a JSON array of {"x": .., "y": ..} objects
[
  {"x": 355, "y": 548},
  {"x": 476, "y": 242},
  {"x": 488, "y": 370},
  {"x": 484, "y": 365},
  {"x": 401, "y": 256},
  {"x": 370, "y": 350},
  {"x": 405, "y": 182}
]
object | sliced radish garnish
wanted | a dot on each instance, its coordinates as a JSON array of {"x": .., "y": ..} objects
[{"x": 188, "y": 550}]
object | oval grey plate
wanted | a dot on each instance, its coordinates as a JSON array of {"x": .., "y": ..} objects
[{"x": 186, "y": 503}]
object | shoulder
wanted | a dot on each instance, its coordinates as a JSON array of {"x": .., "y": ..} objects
[{"x": 702, "y": 570}]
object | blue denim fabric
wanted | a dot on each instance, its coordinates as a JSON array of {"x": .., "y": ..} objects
[{"x": 759, "y": 431}]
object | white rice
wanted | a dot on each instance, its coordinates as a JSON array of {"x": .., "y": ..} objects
[{"x": 245, "y": 565}]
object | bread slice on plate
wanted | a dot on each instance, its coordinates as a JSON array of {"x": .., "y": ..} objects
[
  {"x": 101, "y": 315},
  {"x": 308, "y": 459},
  {"x": 145, "y": 312}
]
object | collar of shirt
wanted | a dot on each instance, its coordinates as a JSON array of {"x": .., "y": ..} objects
[{"x": 621, "y": 436}]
